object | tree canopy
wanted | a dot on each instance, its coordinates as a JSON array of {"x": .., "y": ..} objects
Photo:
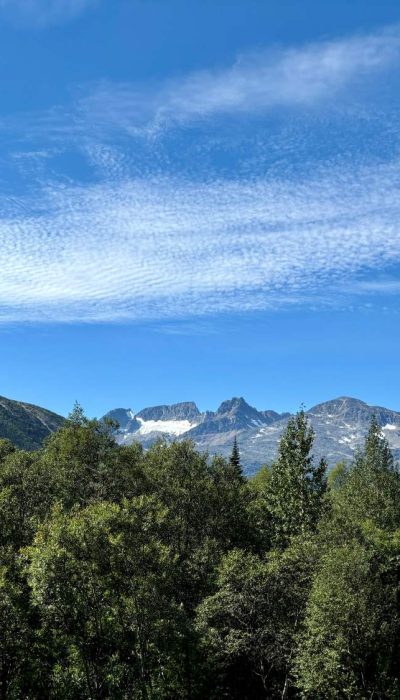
[{"x": 166, "y": 574}]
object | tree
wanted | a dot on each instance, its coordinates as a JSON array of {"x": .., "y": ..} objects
[
  {"x": 181, "y": 478},
  {"x": 259, "y": 512},
  {"x": 370, "y": 488},
  {"x": 249, "y": 625},
  {"x": 21, "y": 672},
  {"x": 337, "y": 476},
  {"x": 350, "y": 646},
  {"x": 81, "y": 453},
  {"x": 6, "y": 448},
  {"x": 101, "y": 579},
  {"x": 29, "y": 486},
  {"x": 377, "y": 455},
  {"x": 297, "y": 486},
  {"x": 234, "y": 460}
]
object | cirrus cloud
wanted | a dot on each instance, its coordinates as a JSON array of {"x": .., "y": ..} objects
[
  {"x": 260, "y": 81},
  {"x": 114, "y": 226}
]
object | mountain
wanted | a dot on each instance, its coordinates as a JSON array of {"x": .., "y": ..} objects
[
  {"x": 212, "y": 431},
  {"x": 26, "y": 425},
  {"x": 177, "y": 412},
  {"x": 340, "y": 427},
  {"x": 157, "y": 421}
]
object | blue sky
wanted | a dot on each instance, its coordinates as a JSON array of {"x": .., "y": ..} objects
[{"x": 198, "y": 200}]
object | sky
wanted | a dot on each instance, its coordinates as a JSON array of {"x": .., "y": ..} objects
[{"x": 199, "y": 199}]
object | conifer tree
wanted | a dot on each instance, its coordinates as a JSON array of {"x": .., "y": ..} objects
[
  {"x": 377, "y": 454},
  {"x": 234, "y": 460},
  {"x": 371, "y": 488},
  {"x": 297, "y": 484}
]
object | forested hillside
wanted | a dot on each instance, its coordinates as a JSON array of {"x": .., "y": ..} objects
[
  {"x": 166, "y": 575},
  {"x": 27, "y": 426}
]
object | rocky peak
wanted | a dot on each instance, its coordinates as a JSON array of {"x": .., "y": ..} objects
[
  {"x": 273, "y": 416},
  {"x": 237, "y": 407},
  {"x": 232, "y": 415},
  {"x": 352, "y": 410},
  {"x": 125, "y": 418},
  {"x": 186, "y": 410}
]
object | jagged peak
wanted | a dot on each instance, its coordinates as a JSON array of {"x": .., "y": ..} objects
[
  {"x": 236, "y": 403},
  {"x": 185, "y": 410}
]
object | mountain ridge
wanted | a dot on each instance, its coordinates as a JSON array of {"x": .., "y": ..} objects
[
  {"x": 25, "y": 424},
  {"x": 340, "y": 426}
]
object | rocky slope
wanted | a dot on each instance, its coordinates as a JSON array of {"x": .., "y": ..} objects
[
  {"x": 26, "y": 425},
  {"x": 340, "y": 426}
]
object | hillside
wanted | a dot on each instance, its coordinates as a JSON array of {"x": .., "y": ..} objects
[{"x": 26, "y": 425}]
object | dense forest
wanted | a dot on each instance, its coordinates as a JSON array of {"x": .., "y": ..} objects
[{"x": 134, "y": 574}]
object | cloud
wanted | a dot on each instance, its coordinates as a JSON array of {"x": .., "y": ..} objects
[
  {"x": 303, "y": 220},
  {"x": 40, "y": 13},
  {"x": 378, "y": 286},
  {"x": 334, "y": 74},
  {"x": 304, "y": 76},
  {"x": 167, "y": 248}
]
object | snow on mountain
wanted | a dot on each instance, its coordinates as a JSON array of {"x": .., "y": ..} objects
[
  {"x": 340, "y": 427},
  {"x": 170, "y": 427}
]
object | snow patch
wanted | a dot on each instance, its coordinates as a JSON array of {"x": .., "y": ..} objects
[
  {"x": 390, "y": 426},
  {"x": 172, "y": 427}
]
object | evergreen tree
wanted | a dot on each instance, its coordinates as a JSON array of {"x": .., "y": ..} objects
[
  {"x": 377, "y": 454},
  {"x": 259, "y": 509},
  {"x": 297, "y": 486},
  {"x": 234, "y": 460},
  {"x": 370, "y": 489}
]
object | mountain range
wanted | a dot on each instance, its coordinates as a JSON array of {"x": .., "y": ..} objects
[{"x": 340, "y": 427}]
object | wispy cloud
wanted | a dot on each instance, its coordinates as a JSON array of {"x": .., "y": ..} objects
[
  {"x": 40, "y": 13},
  {"x": 129, "y": 240},
  {"x": 268, "y": 79},
  {"x": 166, "y": 248},
  {"x": 378, "y": 286},
  {"x": 329, "y": 74}
]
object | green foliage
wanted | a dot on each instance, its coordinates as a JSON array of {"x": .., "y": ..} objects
[
  {"x": 28, "y": 488},
  {"x": 297, "y": 486},
  {"x": 82, "y": 454},
  {"x": 250, "y": 623},
  {"x": 259, "y": 512},
  {"x": 6, "y": 448},
  {"x": 351, "y": 640},
  {"x": 337, "y": 476},
  {"x": 370, "y": 488},
  {"x": 101, "y": 578},
  {"x": 234, "y": 460},
  {"x": 167, "y": 575}
]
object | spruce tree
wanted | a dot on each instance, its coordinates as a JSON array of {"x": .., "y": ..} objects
[
  {"x": 371, "y": 488},
  {"x": 377, "y": 454},
  {"x": 234, "y": 460},
  {"x": 297, "y": 484}
]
